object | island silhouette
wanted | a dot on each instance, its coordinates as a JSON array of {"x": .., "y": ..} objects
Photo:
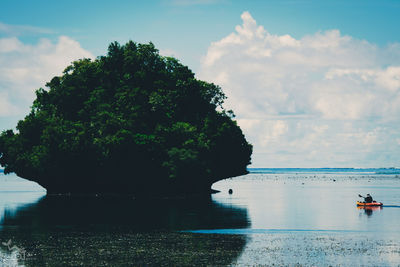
[{"x": 132, "y": 122}]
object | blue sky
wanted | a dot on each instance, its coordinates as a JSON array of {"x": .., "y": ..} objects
[
  {"x": 296, "y": 101},
  {"x": 188, "y": 27}
]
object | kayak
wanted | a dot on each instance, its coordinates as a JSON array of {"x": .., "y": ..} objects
[{"x": 373, "y": 204}]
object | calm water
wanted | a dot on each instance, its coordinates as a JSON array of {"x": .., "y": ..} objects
[{"x": 274, "y": 216}]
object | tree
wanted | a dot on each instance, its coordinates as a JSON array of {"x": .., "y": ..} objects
[{"x": 131, "y": 121}]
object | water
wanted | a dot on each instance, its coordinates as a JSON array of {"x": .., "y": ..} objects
[
  {"x": 314, "y": 201},
  {"x": 306, "y": 217},
  {"x": 309, "y": 217}
]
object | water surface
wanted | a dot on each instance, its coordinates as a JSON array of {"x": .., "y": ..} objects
[
  {"x": 309, "y": 216},
  {"x": 306, "y": 217}
]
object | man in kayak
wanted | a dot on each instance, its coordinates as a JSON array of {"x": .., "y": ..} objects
[{"x": 367, "y": 199}]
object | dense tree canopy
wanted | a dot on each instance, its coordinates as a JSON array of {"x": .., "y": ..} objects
[{"x": 130, "y": 121}]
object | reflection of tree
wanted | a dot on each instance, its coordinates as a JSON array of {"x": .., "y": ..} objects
[
  {"x": 100, "y": 230},
  {"x": 14, "y": 202}
]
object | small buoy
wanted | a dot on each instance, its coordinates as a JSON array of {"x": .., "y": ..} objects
[{"x": 230, "y": 191}]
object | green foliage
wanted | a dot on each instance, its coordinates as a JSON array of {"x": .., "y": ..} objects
[{"x": 128, "y": 121}]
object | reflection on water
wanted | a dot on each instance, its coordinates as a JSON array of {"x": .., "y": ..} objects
[
  {"x": 83, "y": 212},
  {"x": 369, "y": 210},
  {"x": 32, "y": 208},
  {"x": 13, "y": 202},
  {"x": 269, "y": 218},
  {"x": 85, "y": 229},
  {"x": 312, "y": 219},
  {"x": 313, "y": 202},
  {"x": 16, "y": 194}
]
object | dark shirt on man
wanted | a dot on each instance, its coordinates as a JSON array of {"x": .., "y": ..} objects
[{"x": 368, "y": 199}]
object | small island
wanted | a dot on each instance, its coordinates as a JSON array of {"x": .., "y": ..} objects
[{"x": 130, "y": 122}]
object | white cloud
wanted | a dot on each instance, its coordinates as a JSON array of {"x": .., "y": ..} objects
[
  {"x": 326, "y": 99},
  {"x": 25, "y": 68},
  {"x": 6, "y": 108},
  {"x": 8, "y": 45},
  {"x": 16, "y": 30}
]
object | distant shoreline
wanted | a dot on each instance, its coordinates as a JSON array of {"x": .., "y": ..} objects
[
  {"x": 383, "y": 170},
  {"x": 389, "y": 170}
]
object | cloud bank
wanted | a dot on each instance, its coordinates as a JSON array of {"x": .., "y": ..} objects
[
  {"x": 25, "y": 68},
  {"x": 325, "y": 100}
]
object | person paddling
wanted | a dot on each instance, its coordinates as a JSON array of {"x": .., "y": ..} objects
[{"x": 367, "y": 199}]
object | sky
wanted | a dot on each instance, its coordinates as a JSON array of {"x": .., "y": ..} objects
[{"x": 312, "y": 83}]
